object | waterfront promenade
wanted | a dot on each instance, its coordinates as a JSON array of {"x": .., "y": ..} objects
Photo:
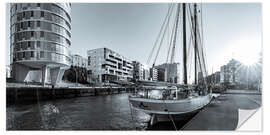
[{"x": 223, "y": 112}]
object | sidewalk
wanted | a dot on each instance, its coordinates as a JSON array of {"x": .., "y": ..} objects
[
  {"x": 222, "y": 112},
  {"x": 231, "y": 91}
]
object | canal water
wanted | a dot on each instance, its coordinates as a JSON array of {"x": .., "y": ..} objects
[{"x": 107, "y": 112}]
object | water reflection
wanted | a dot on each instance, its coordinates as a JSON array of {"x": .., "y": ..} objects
[{"x": 110, "y": 112}]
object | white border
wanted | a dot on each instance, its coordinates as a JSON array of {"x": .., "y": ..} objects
[{"x": 248, "y": 125}]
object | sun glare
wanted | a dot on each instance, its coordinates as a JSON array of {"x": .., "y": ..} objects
[
  {"x": 247, "y": 52},
  {"x": 249, "y": 60}
]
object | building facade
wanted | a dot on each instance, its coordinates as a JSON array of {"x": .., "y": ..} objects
[
  {"x": 107, "y": 65},
  {"x": 78, "y": 61},
  {"x": 230, "y": 72},
  {"x": 140, "y": 71},
  {"x": 153, "y": 74},
  {"x": 40, "y": 41},
  {"x": 172, "y": 71},
  {"x": 8, "y": 71},
  {"x": 162, "y": 75},
  {"x": 146, "y": 74}
]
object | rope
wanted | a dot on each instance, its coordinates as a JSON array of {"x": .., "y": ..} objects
[
  {"x": 165, "y": 30},
  {"x": 165, "y": 105},
  {"x": 159, "y": 34},
  {"x": 175, "y": 33},
  {"x": 173, "y": 122},
  {"x": 171, "y": 40}
]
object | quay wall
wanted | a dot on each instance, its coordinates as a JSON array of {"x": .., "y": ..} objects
[{"x": 19, "y": 94}]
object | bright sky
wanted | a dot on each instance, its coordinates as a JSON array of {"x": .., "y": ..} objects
[{"x": 230, "y": 30}]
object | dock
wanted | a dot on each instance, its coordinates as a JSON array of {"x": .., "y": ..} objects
[
  {"x": 34, "y": 93},
  {"x": 222, "y": 112}
]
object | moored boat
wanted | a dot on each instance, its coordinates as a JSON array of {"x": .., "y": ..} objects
[{"x": 178, "y": 101}]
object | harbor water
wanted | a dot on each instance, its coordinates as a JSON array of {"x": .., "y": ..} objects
[{"x": 105, "y": 112}]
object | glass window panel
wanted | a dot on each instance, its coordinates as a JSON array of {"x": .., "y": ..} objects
[
  {"x": 32, "y": 24},
  {"x": 38, "y": 23},
  {"x": 38, "y": 44},
  {"x": 28, "y": 14},
  {"x": 38, "y": 55},
  {"x": 42, "y": 13},
  {"x": 32, "y": 45},
  {"x": 27, "y": 55},
  {"x": 32, "y": 33},
  {"x": 32, "y": 53},
  {"x": 41, "y": 54},
  {"x": 24, "y": 45},
  {"x": 42, "y": 34}
]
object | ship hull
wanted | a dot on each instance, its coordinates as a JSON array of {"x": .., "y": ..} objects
[{"x": 165, "y": 110}]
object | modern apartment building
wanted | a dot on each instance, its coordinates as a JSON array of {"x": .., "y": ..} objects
[
  {"x": 230, "y": 72},
  {"x": 140, "y": 72},
  {"x": 107, "y": 65},
  {"x": 153, "y": 74},
  {"x": 79, "y": 61},
  {"x": 162, "y": 75},
  {"x": 40, "y": 35},
  {"x": 172, "y": 72},
  {"x": 7, "y": 71},
  {"x": 146, "y": 74}
]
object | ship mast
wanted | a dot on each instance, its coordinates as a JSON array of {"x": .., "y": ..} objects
[
  {"x": 184, "y": 44},
  {"x": 175, "y": 32},
  {"x": 195, "y": 40}
]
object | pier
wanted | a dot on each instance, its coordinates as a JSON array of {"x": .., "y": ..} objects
[
  {"x": 215, "y": 115},
  {"x": 33, "y": 93}
]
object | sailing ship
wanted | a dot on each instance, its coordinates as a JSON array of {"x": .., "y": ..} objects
[{"x": 177, "y": 101}]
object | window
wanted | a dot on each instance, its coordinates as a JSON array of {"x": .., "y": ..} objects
[
  {"x": 32, "y": 13},
  {"x": 32, "y": 54},
  {"x": 41, "y": 54},
  {"x": 28, "y": 23},
  {"x": 42, "y": 14},
  {"x": 42, "y": 34},
  {"x": 89, "y": 60},
  {"x": 32, "y": 33},
  {"x": 38, "y": 44},
  {"x": 38, "y": 4},
  {"x": 23, "y": 14},
  {"x": 21, "y": 25},
  {"x": 15, "y": 7},
  {"x": 23, "y": 54},
  {"x": 38, "y": 23},
  {"x": 28, "y": 44},
  {"x": 37, "y": 55}
]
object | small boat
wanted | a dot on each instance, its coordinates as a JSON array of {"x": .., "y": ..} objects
[{"x": 178, "y": 102}]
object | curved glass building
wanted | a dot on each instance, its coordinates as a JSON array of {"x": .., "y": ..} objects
[{"x": 40, "y": 40}]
